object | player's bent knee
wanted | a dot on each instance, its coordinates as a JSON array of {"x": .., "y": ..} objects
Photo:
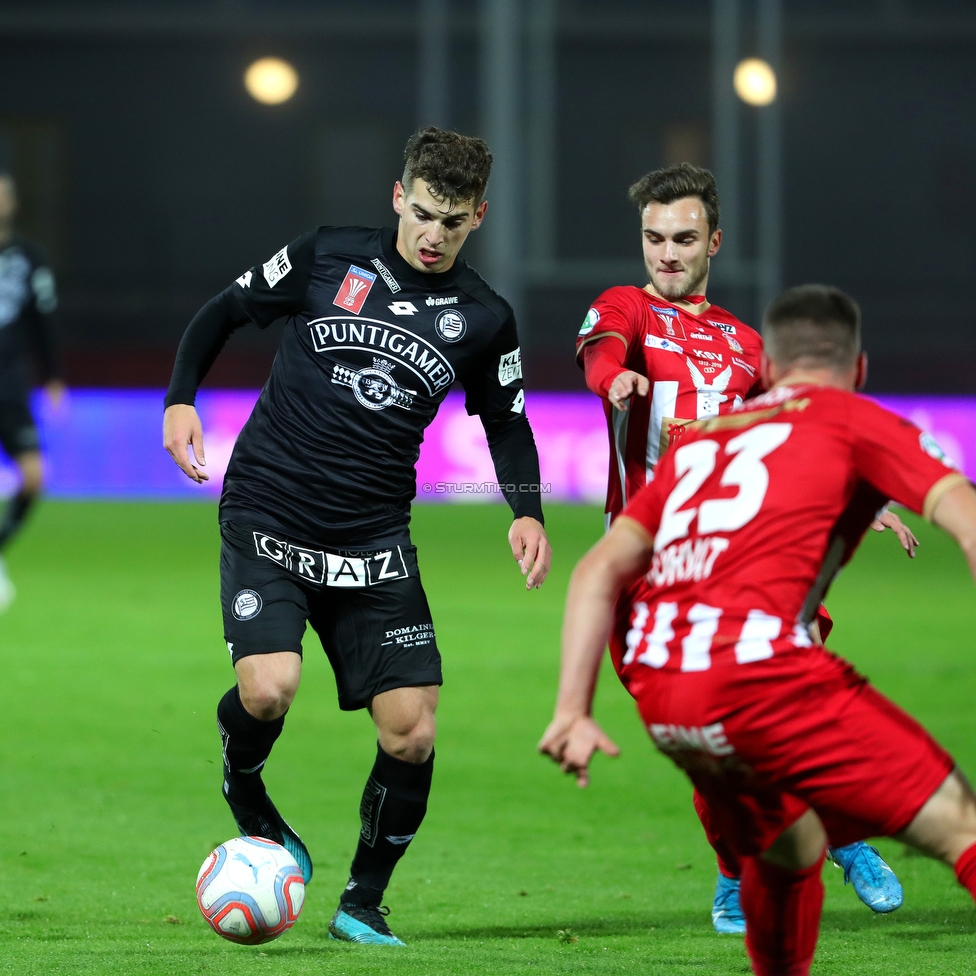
[
  {"x": 799, "y": 846},
  {"x": 413, "y": 745},
  {"x": 267, "y": 683},
  {"x": 946, "y": 824},
  {"x": 266, "y": 702}
]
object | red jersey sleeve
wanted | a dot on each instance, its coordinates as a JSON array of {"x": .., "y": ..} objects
[
  {"x": 603, "y": 362},
  {"x": 614, "y": 313},
  {"x": 903, "y": 462}
]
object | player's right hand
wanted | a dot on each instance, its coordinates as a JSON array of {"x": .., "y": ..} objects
[
  {"x": 624, "y": 386},
  {"x": 571, "y": 741},
  {"x": 182, "y": 429}
]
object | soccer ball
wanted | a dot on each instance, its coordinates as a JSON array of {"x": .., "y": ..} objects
[{"x": 250, "y": 890}]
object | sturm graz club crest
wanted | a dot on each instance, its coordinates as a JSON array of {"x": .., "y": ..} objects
[
  {"x": 450, "y": 325},
  {"x": 374, "y": 387},
  {"x": 247, "y": 604}
]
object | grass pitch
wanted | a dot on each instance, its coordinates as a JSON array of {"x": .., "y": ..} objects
[{"x": 113, "y": 663}]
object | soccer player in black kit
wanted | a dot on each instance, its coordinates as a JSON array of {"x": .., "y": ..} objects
[
  {"x": 27, "y": 299},
  {"x": 315, "y": 507}
]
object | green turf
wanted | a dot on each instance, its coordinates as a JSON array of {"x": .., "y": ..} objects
[{"x": 113, "y": 662}]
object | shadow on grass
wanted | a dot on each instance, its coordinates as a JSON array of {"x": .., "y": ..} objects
[
  {"x": 905, "y": 923},
  {"x": 922, "y": 923},
  {"x": 632, "y": 925}
]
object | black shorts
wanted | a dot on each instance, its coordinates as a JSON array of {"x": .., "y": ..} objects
[
  {"x": 368, "y": 608},
  {"x": 18, "y": 433}
]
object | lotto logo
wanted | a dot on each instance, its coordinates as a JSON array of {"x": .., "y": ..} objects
[{"x": 354, "y": 289}]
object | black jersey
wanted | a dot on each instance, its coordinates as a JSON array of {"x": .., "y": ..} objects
[
  {"x": 369, "y": 352},
  {"x": 27, "y": 299}
]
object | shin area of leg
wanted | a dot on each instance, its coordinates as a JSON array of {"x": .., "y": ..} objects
[{"x": 782, "y": 909}]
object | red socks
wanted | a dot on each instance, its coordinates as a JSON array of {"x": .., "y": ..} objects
[
  {"x": 782, "y": 910},
  {"x": 965, "y": 869},
  {"x": 728, "y": 861}
]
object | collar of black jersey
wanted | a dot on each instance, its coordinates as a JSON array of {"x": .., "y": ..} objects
[{"x": 400, "y": 268}]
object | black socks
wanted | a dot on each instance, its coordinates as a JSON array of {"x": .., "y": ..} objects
[
  {"x": 13, "y": 517},
  {"x": 392, "y": 809},
  {"x": 247, "y": 744}
]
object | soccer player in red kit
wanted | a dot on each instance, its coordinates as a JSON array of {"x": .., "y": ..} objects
[
  {"x": 661, "y": 356},
  {"x": 734, "y": 542}
]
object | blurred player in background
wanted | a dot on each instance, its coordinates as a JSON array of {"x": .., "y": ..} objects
[
  {"x": 27, "y": 301},
  {"x": 732, "y": 547},
  {"x": 661, "y": 356},
  {"x": 315, "y": 509}
]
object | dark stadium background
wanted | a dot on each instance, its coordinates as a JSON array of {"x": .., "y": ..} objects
[{"x": 154, "y": 179}]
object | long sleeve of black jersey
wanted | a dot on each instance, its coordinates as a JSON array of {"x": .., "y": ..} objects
[
  {"x": 264, "y": 293},
  {"x": 205, "y": 336},
  {"x": 516, "y": 461},
  {"x": 495, "y": 392}
]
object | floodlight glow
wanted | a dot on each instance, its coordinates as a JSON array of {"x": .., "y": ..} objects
[
  {"x": 271, "y": 81},
  {"x": 755, "y": 82}
]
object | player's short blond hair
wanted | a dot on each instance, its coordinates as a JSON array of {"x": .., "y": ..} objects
[{"x": 813, "y": 326}]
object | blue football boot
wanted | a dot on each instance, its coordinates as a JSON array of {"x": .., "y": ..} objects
[
  {"x": 874, "y": 882},
  {"x": 727, "y": 914},
  {"x": 364, "y": 924}
]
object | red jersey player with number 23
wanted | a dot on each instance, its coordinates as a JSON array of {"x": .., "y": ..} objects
[{"x": 748, "y": 519}]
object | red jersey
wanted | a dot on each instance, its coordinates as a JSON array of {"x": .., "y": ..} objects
[
  {"x": 752, "y": 515},
  {"x": 698, "y": 365}
]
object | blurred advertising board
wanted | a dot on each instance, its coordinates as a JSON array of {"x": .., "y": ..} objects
[{"x": 108, "y": 444}]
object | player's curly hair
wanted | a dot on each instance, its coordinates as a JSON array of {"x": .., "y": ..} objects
[
  {"x": 675, "y": 183},
  {"x": 453, "y": 166},
  {"x": 813, "y": 326}
]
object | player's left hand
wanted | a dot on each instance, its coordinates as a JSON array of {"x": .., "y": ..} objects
[
  {"x": 530, "y": 547},
  {"x": 571, "y": 741},
  {"x": 888, "y": 520}
]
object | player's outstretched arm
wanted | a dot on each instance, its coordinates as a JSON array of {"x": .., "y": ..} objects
[
  {"x": 531, "y": 549},
  {"x": 955, "y": 512},
  {"x": 615, "y": 561},
  {"x": 182, "y": 430},
  {"x": 607, "y": 376},
  {"x": 204, "y": 338}
]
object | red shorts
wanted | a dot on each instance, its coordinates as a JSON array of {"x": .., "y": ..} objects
[{"x": 764, "y": 742}]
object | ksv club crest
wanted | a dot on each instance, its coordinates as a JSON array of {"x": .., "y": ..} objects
[{"x": 374, "y": 387}]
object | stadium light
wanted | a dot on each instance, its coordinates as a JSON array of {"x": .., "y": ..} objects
[
  {"x": 271, "y": 81},
  {"x": 755, "y": 82}
]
